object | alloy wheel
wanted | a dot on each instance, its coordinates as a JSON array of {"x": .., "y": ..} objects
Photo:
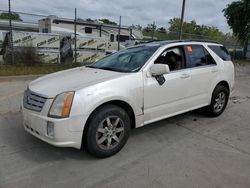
[
  {"x": 110, "y": 132},
  {"x": 220, "y": 101}
]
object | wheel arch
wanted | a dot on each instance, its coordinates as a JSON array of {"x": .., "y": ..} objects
[
  {"x": 124, "y": 105},
  {"x": 225, "y": 84}
]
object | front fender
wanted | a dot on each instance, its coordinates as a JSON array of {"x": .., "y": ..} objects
[{"x": 128, "y": 89}]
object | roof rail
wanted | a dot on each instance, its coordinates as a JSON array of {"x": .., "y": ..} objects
[
  {"x": 200, "y": 40},
  {"x": 162, "y": 42}
]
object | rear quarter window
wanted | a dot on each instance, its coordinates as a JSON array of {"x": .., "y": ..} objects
[{"x": 221, "y": 51}]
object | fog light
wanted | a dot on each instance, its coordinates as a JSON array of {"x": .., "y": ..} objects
[{"x": 50, "y": 128}]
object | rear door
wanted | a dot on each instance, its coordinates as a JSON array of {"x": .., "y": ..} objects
[{"x": 203, "y": 69}]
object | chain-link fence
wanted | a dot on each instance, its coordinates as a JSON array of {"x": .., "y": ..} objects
[
  {"x": 29, "y": 22},
  {"x": 233, "y": 45}
]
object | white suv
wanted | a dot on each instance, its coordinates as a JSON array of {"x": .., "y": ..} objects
[{"x": 96, "y": 106}]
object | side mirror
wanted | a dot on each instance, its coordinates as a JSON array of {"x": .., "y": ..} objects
[{"x": 159, "y": 69}]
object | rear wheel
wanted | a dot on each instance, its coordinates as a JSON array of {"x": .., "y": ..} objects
[
  {"x": 107, "y": 131},
  {"x": 218, "y": 102}
]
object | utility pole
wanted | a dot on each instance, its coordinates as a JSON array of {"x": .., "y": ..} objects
[
  {"x": 75, "y": 52},
  {"x": 182, "y": 18},
  {"x": 153, "y": 30},
  {"x": 119, "y": 32},
  {"x": 11, "y": 34}
]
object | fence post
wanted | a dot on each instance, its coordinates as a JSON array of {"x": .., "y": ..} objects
[
  {"x": 119, "y": 32},
  {"x": 75, "y": 36},
  {"x": 11, "y": 35},
  {"x": 153, "y": 31}
]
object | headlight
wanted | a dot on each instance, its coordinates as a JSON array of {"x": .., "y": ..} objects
[{"x": 61, "y": 105}]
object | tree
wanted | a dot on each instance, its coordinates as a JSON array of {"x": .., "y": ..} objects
[
  {"x": 238, "y": 18},
  {"x": 107, "y": 21},
  {"x": 193, "y": 30},
  {"x": 136, "y": 27},
  {"x": 161, "y": 30},
  {"x": 89, "y": 20},
  {"x": 13, "y": 16}
]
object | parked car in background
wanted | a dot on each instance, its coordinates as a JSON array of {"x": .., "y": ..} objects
[{"x": 96, "y": 106}]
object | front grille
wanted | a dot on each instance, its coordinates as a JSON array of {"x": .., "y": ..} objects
[{"x": 33, "y": 101}]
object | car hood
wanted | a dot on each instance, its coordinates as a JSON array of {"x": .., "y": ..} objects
[{"x": 71, "y": 80}]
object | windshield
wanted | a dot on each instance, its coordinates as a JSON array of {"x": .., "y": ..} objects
[{"x": 129, "y": 60}]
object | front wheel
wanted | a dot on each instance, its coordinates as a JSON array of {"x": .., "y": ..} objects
[
  {"x": 107, "y": 131},
  {"x": 218, "y": 102}
]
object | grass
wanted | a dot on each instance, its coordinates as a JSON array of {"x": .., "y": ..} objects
[
  {"x": 15, "y": 70},
  {"x": 242, "y": 62}
]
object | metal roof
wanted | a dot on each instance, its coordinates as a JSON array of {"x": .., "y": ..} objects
[{"x": 86, "y": 23}]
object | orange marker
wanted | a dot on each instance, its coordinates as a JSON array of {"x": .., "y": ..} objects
[{"x": 189, "y": 49}]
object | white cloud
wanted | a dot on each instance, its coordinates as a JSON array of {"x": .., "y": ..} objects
[{"x": 132, "y": 12}]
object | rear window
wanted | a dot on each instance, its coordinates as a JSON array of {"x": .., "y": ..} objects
[{"x": 221, "y": 51}]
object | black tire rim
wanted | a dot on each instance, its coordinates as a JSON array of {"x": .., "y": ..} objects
[{"x": 110, "y": 132}]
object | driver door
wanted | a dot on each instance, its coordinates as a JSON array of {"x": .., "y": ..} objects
[{"x": 172, "y": 97}]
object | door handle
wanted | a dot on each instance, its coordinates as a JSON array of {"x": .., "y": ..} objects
[{"x": 184, "y": 76}]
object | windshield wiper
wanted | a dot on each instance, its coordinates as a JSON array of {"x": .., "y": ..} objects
[
  {"x": 91, "y": 66},
  {"x": 105, "y": 68},
  {"x": 109, "y": 68}
]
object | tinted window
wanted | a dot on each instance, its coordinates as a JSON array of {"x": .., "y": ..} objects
[
  {"x": 198, "y": 56},
  {"x": 221, "y": 51},
  {"x": 210, "y": 59}
]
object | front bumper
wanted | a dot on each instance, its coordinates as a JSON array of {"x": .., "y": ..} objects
[{"x": 36, "y": 124}]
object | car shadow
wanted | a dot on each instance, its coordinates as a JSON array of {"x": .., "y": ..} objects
[{"x": 19, "y": 142}]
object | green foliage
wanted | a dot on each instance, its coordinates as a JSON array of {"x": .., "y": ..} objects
[
  {"x": 89, "y": 20},
  {"x": 25, "y": 56},
  {"x": 107, "y": 21},
  {"x": 137, "y": 27},
  {"x": 190, "y": 30},
  {"x": 161, "y": 30},
  {"x": 193, "y": 30},
  {"x": 13, "y": 16},
  {"x": 238, "y": 18},
  {"x": 20, "y": 69}
]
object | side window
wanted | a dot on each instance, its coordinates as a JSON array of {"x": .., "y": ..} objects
[
  {"x": 88, "y": 30},
  {"x": 123, "y": 38},
  {"x": 210, "y": 59},
  {"x": 198, "y": 56},
  {"x": 112, "y": 38},
  {"x": 221, "y": 51},
  {"x": 173, "y": 57}
]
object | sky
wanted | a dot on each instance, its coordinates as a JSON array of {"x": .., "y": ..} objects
[{"x": 142, "y": 12}]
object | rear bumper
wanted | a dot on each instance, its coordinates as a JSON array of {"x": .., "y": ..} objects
[{"x": 37, "y": 125}]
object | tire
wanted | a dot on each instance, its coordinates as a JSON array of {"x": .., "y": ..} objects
[
  {"x": 107, "y": 131},
  {"x": 219, "y": 101}
]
